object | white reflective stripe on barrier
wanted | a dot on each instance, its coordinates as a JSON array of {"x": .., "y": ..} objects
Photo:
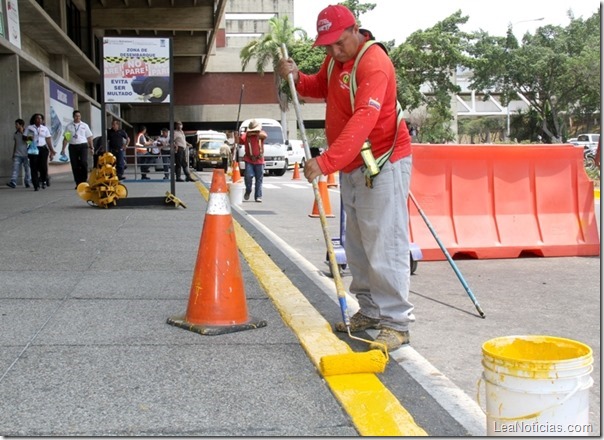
[{"x": 218, "y": 204}]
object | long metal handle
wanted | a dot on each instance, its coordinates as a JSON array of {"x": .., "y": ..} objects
[
  {"x": 341, "y": 292},
  {"x": 449, "y": 259}
]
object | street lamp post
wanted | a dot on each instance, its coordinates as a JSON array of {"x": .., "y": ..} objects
[{"x": 507, "y": 107}]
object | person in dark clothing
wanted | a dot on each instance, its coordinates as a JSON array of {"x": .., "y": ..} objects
[
  {"x": 117, "y": 141},
  {"x": 40, "y": 135}
]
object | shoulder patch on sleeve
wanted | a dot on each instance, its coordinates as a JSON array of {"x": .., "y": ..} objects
[{"x": 374, "y": 103}]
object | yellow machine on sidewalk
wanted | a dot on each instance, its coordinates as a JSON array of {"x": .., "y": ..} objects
[{"x": 103, "y": 187}]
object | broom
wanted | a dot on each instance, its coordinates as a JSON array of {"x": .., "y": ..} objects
[{"x": 372, "y": 361}]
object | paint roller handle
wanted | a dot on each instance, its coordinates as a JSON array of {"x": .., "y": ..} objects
[
  {"x": 341, "y": 292},
  {"x": 448, "y": 256}
]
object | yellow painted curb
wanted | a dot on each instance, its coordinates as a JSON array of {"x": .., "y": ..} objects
[{"x": 373, "y": 409}]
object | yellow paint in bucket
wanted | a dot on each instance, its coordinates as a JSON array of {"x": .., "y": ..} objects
[{"x": 536, "y": 385}]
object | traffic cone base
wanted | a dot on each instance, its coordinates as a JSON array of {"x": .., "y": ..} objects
[
  {"x": 213, "y": 330},
  {"x": 217, "y": 296},
  {"x": 324, "y": 200}
]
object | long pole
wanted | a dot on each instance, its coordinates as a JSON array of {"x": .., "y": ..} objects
[
  {"x": 340, "y": 291},
  {"x": 448, "y": 256},
  {"x": 239, "y": 110}
]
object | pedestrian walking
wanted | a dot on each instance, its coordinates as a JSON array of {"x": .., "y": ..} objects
[
  {"x": 163, "y": 142},
  {"x": 41, "y": 150},
  {"x": 180, "y": 146},
  {"x": 78, "y": 136},
  {"x": 142, "y": 146},
  {"x": 20, "y": 159},
  {"x": 253, "y": 141},
  {"x": 377, "y": 236},
  {"x": 117, "y": 141}
]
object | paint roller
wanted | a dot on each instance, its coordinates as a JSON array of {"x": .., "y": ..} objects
[{"x": 372, "y": 361}]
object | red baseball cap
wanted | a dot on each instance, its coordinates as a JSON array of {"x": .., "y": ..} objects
[{"x": 331, "y": 22}]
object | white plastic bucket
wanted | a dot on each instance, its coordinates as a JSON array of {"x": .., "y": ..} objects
[
  {"x": 236, "y": 191},
  {"x": 536, "y": 386}
]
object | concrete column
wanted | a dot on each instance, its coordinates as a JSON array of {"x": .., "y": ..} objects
[
  {"x": 35, "y": 94},
  {"x": 9, "y": 110}
]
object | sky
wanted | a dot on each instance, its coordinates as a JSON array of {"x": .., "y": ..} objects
[{"x": 397, "y": 19}]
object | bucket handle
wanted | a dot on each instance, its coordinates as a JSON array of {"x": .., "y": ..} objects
[{"x": 574, "y": 391}]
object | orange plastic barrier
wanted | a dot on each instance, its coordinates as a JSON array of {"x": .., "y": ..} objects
[{"x": 503, "y": 201}]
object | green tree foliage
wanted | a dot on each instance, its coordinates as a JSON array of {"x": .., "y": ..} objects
[
  {"x": 557, "y": 70},
  {"x": 425, "y": 65},
  {"x": 267, "y": 51},
  {"x": 358, "y": 8}
]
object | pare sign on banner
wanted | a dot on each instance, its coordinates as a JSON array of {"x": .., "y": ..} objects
[{"x": 136, "y": 70}]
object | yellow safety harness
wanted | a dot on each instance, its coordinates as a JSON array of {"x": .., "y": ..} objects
[{"x": 372, "y": 166}]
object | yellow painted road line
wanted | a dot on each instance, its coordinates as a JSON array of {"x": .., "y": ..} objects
[{"x": 373, "y": 409}]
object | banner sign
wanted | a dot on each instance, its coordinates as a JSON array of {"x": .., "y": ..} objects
[
  {"x": 136, "y": 70},
  {"x": 61, "y": 114},
  {"x": 12, "y": 18}
]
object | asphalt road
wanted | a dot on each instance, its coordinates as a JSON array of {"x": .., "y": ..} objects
[{"x": 524, "y": 296}]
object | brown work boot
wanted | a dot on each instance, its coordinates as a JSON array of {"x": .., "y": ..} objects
[
  {"x": 358, "y": 323},
  {"x": 390, "y": 338}
]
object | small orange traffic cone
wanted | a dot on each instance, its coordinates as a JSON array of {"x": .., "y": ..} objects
[
  {"x": 296, "y": 175},
  {"x": 324, "y": 200},
  {"x": 236, "y": 175},
  {"x": 217, "y": 297},
  {"x": 331, "y": 180}
]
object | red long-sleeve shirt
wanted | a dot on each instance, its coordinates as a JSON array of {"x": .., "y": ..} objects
[{"x": 374, "y": 115}]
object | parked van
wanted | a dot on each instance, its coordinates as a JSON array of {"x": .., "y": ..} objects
[
  {"x": 295, "y": 153},
  {"x": 207, "y": 149},
  {"x": 275, "y": 146}
]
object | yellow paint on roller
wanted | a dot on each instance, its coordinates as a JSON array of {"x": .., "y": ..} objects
[
  {"x": 372, "y": 361},
  {"x": 373, "y": 409}
]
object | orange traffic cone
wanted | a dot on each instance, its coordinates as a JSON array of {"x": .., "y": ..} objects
[
  {"x": 324, "y": 200},
  {"x": 236, "y": 175},
  {"x": 296, "y": 175},
  {"x": 331, "y": 181},
  {"x": 217, "y": 297}
]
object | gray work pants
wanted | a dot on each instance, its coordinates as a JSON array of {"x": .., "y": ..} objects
[{"x": 377, "y": 242}]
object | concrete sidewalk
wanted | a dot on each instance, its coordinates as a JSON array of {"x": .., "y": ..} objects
[{"x": 85, "y": 349}]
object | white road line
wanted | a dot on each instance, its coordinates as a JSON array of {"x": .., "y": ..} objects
[{"x": 452, "y": 398}]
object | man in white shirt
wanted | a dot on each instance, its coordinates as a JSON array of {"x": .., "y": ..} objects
[{"x": 79, "y": 137}]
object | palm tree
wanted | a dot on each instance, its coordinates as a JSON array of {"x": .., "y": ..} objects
[{"x": 268, "y": 49}]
